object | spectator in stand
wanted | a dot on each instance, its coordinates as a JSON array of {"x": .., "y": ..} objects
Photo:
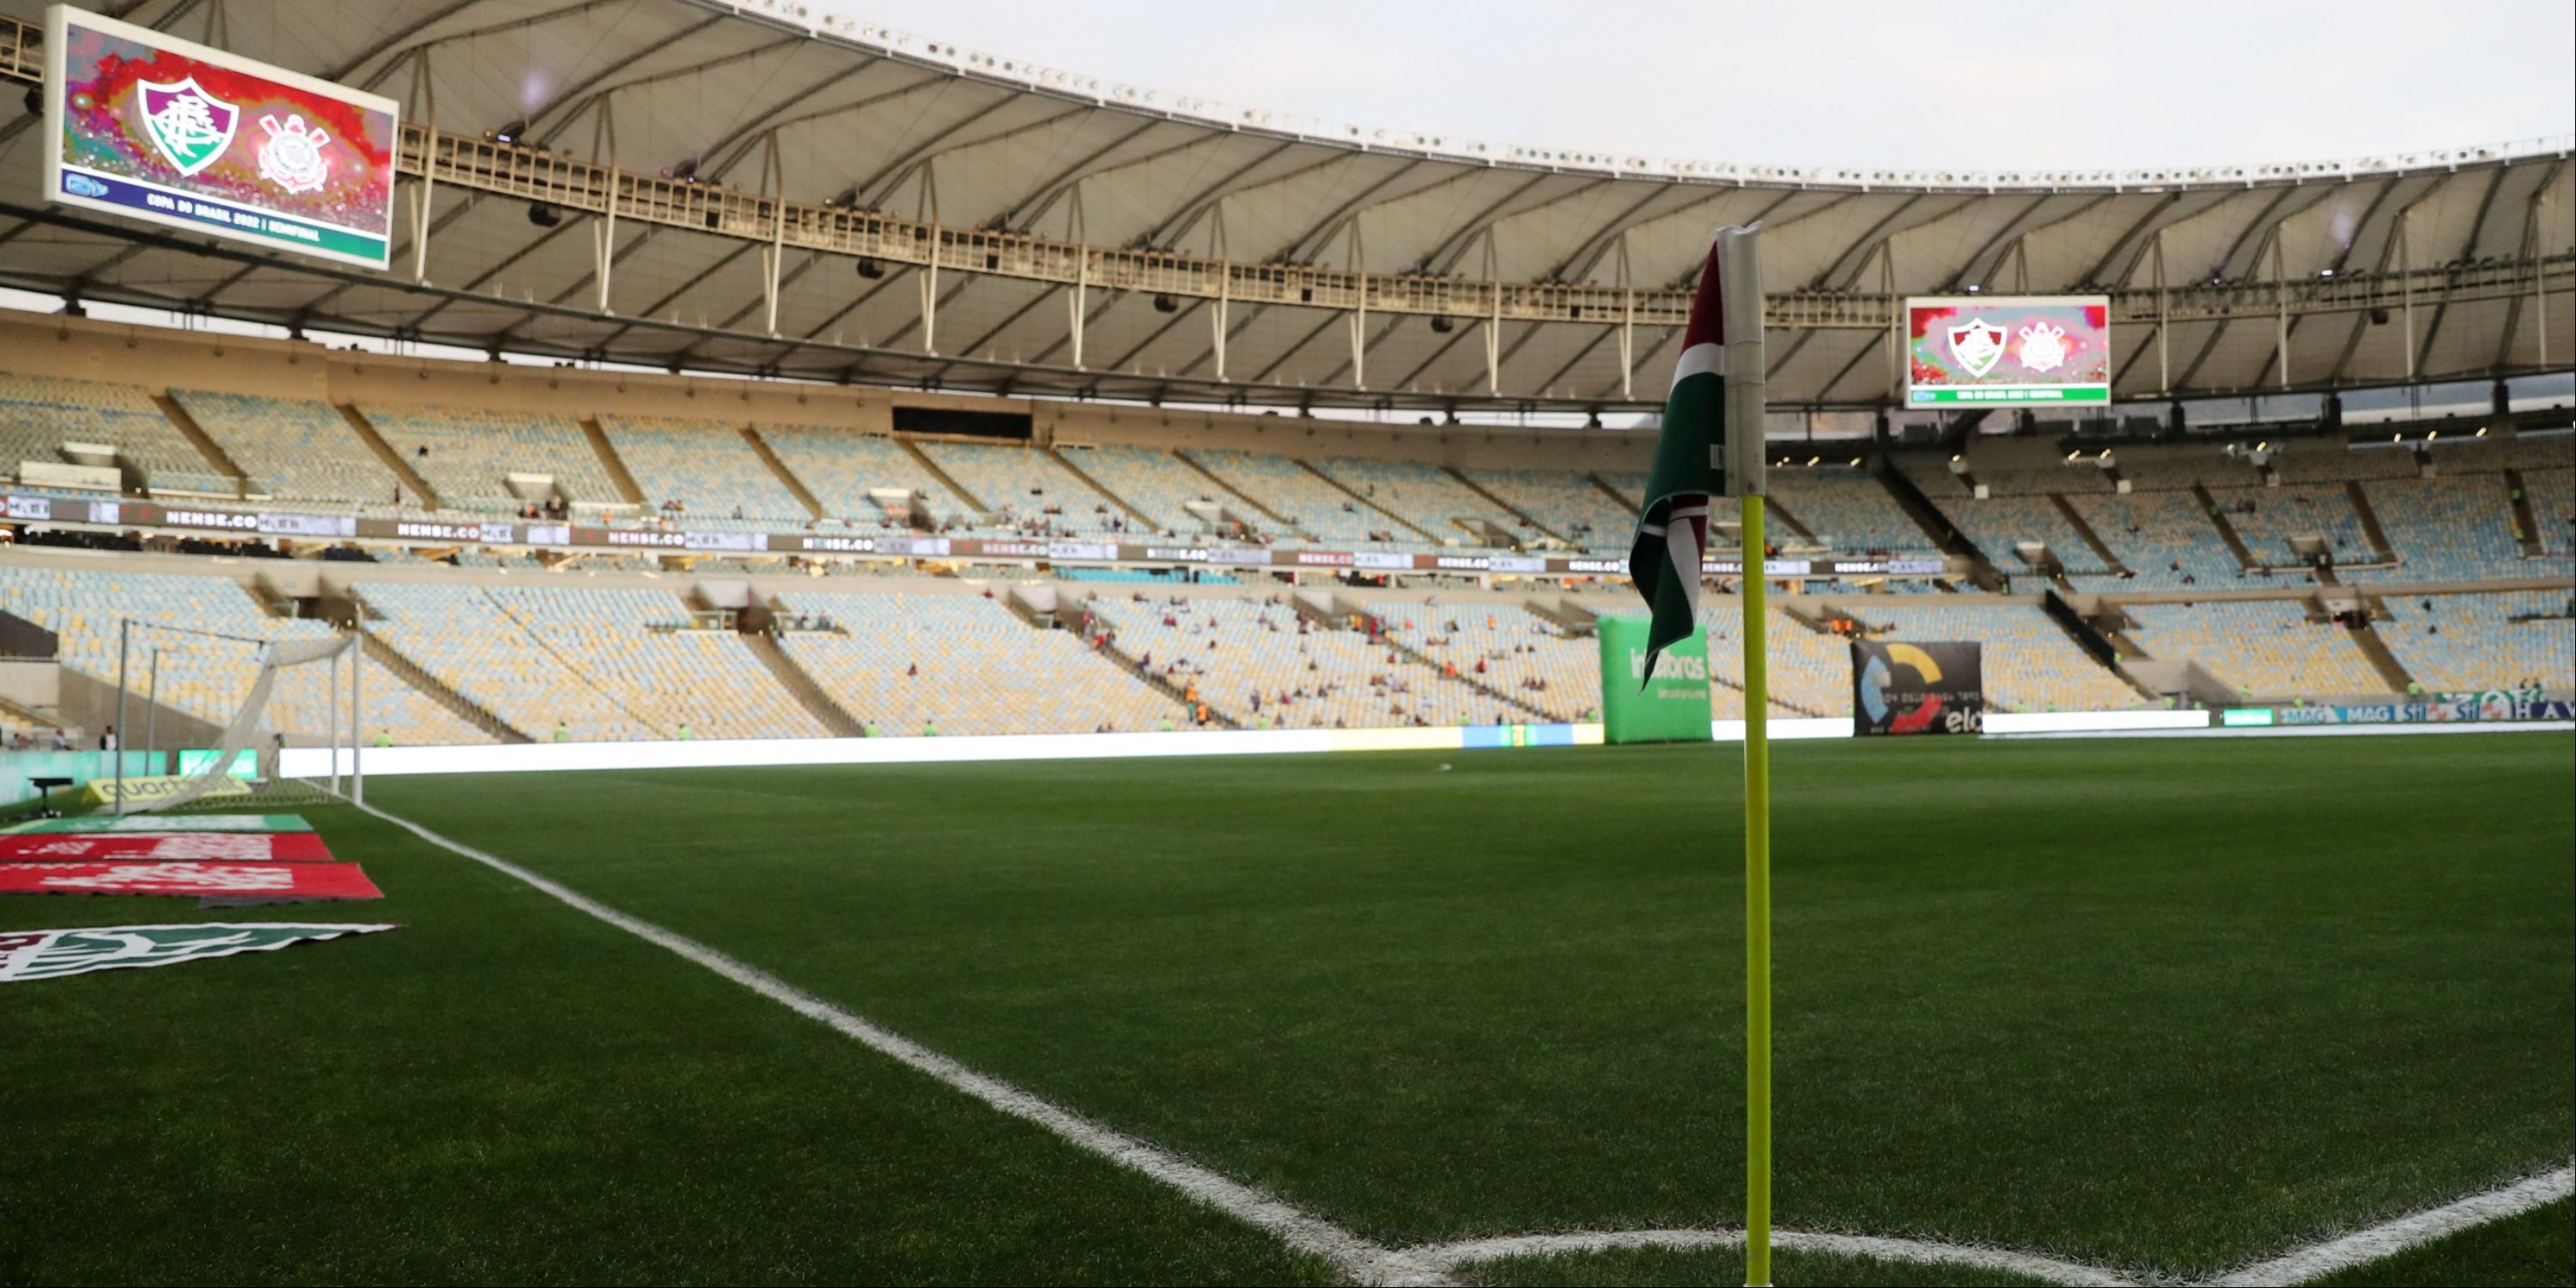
[{"x": 62, "y": 741}]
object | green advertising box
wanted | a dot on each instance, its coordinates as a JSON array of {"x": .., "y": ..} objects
[{"x": 1672, "y": 707}]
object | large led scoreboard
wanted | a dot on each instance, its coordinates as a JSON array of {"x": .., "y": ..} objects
[
  {"x": 151, "y": 127},
  {"x": 1982, "y": 350}
]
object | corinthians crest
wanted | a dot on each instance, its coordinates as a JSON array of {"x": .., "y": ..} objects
[
  {"x": 1977, "y": 344},
  {"x": 292, "y": 158},
  {"x": 189, "y": 125},
  {"x": 2044, "y": 347}
]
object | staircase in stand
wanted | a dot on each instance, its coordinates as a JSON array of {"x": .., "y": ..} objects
[
  {"x": 800, "y": 685},
  {"x": 436, "y": 690}
]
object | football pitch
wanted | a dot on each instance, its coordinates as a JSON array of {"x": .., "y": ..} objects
[{"x": 2158, "y": 1010}]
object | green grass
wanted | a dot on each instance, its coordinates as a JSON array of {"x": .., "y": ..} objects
[
  {"x": 504, "y": 1090},
  {"x": 2169, "y": 1005},
  {"x": 2534, "y": 1250}
]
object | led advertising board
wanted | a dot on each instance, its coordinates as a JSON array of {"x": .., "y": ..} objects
[
  {"x": 1982, "y": 350},
  {"x": 151, "y": 127}
]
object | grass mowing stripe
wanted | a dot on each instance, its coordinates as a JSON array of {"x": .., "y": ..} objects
[
  {"x": 1357, "y": 1257},
  {"x": 2382, "y": 1241}
]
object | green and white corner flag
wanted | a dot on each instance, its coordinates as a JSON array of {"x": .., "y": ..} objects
[
  {"x": 1711, "y": 446},
  {"x": 1711, "y": 443}
]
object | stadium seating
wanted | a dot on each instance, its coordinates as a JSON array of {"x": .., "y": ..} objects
[
  {"x": 2263, "y": 648},
  {"x": 841, "y": 466},
  {"x": 1026, "y": 490},
  {"x": 204, "y": 677},
  {"x": 463, "y": 639},
  {"x": 1846, "y": 508},
  {"x": 464, "y": 455},
  {"x": 967, "y": 665},
  {"x": 1426, "y": 497},
  {"x": 703, "y": 465},
  {"x": 1516, "y": 649},
  {"x": 1566, "y": 503},
  {"x": 2030, "y": 663},
  {"x": 1317, "y": 677},
  {"x": 38, "y": 414},
  {"x": 2552, "y": 495},
  {"x": 2161, "y": 537},
  {"x": 1997, "y": 523},
  {"x": 2445, "y": 529},
  {"x": 2464, "y": 642},
  {"x": 1809, "y": 671},
  {"x": 621, "y": 643},
  {"x": 292, "y": 449},
  {"x": 1155, "y": 482},
  {"x": 1297, "y": 494},
  {"x": 2268, "y": 518},
  {"x": 591, "y": 660}
]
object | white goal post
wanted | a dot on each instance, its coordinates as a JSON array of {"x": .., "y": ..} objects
[{"x": 254, "y": 736}]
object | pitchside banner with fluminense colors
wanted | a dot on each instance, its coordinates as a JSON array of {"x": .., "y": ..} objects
[
  {"x": 2008, "y": 349},
  {"x": 163, "y": 130},
  {"x": 1917, "y": 688}
]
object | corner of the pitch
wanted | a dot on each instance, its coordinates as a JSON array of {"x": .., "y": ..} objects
[{"x": 1395, "y": 1269}]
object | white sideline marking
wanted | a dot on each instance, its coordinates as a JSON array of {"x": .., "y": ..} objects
[
  {"x": 2364, "y": 1246},
  {"x": 1356, "y": 1257},
  {"x": 1369, "y": 1262}
]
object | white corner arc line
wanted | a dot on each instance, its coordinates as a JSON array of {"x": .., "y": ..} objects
[
  {"x": 2300, "y": 1266},
  {"x": 2389, "y": 1238},
  {"x": 1918, "y": 1251},
  {"x": 1359, "y": 1258}
]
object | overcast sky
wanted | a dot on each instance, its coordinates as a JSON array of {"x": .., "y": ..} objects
[{"x": 1986, "y": 84}]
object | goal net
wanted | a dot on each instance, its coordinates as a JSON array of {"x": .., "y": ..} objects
[{"x": 254, "y": 723}]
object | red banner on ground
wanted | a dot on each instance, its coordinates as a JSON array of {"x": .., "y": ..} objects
[
  {"x": 279, "y": 880},
  {"x": 230, "y": 847}
]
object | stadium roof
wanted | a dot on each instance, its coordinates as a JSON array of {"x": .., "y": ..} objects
[{"x": 1222, "y": 253}]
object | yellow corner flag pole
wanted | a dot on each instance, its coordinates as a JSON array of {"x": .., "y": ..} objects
[
  {"x": 1740, "y": 259},
  {"x": 1757, "y": 907}
]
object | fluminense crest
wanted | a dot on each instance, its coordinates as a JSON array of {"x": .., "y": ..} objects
[
  {"x": 189, "y": 125},
  {"x": 1977, "y": 344}
]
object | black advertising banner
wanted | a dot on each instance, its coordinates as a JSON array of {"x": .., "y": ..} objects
[{"x": 1917, "y": 688}]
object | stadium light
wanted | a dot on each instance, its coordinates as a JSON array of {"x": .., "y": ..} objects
[
  {"x": 510, "y": 133},
  {"x": 1441, "y": 325},
  {"x": 2482, "y": 431},
  {"x": 1166, "y": 304},
  {"x": 1973, "y": 288},
  {"x": 543, "y": 215},
  {"x": 870, "y": 267}
]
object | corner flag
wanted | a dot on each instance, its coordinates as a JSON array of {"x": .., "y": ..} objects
[{"x": 1711, "y": 444}]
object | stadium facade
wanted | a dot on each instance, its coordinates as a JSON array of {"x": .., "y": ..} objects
[
  {"x": 1032, "y": 459},
  {"x": 763, "y": 189}
]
